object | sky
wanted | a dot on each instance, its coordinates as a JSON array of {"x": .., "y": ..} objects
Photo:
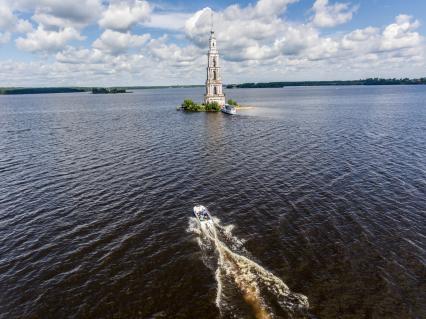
[{"x": 164, "y": 42}]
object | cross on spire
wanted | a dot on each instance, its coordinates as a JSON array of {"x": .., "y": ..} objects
[{"x": 211, "y": 21}]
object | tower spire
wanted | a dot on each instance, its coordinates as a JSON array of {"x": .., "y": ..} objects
[{"x": 211, "y": 21}]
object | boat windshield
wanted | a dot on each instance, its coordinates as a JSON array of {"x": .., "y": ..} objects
[{"x": 203, "y": 215}]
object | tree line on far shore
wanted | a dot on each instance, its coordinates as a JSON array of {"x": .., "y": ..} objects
[
  {"x": 369, "y": 81},
  {"x": 40, "y": 90},
  {"x": 48, "y": 90}
]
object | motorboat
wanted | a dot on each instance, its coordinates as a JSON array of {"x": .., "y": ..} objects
[
  {"x": 202, "y": 214},
  {"x": 205, "y": 220},
  {"x": 229, "y": 109}
]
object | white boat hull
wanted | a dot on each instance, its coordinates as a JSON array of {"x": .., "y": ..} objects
[{"x": 229, "y": 109}]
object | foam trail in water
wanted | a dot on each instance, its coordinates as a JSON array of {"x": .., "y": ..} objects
[{"x": 233, "y": 270}]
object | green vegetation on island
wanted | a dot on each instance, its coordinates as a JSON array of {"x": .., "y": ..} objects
[
  {"x": 190, "y": 106},
  {"x": 370, "y": 81},
  {"x": 212, "y": 107},
  {"x": 10, "y": 91},
  {"x": 108, "y": 90},
  {"x": 232, "y": 102}
]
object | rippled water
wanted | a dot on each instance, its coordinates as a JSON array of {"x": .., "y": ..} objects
[{"x": 324, "y": 187}]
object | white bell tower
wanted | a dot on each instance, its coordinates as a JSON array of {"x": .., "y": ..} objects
[{"x": 214, "y": 91}]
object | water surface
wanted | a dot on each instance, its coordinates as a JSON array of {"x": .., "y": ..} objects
[{"x": 324, "y": 187}]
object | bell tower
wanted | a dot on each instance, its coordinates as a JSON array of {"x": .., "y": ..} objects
[{"x": 214, "y": 91}]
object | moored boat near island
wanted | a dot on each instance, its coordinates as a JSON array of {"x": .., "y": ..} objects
[{"x": 229, "y": 109}]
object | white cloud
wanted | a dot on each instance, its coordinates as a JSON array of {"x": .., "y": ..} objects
[
  {"x": 118, "y": 42},
  {"x": 63, "y": 13},
  {"x": 10, "y": 23},
  {"x": 244, "y": 34},
  {"x": 7, "y": 19},
  {"x": 238, "y": 24},
  {"x": 401, "y": 34},
  {"x": 122, "y": 16},
  {"x": 271, "y": 43},
  {"x": 41, "y": 40},
  {"x": 266, "y": 8},
  {"x": 168, "y": 21},
  {"x": 23, "y": 26},
  {"x": 329, "y": 15},
  {"x": 362, "y": 39},
  {"x": 174, "y": 55},
  {"x": 398, "y": 36},
  {"x": 74, "y": 55}
]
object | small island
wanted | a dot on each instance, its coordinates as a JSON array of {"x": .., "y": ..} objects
[
  {"x": 108, "y": 91},
  {"x": 190, "y": 106}
]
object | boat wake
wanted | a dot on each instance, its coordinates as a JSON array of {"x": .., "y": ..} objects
[{"x": 263, "y": 294}]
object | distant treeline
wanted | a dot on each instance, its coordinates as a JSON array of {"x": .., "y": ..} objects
[
  {"x": 19, "y": 90},
  {"x": 371, "y": 81},
  {"x": 10, "y": 91},
  {"x": 164, "y": 87},
  {"x": 39, "y": 90}
]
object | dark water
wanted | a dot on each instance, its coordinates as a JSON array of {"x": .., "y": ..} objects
[{"x": 326, "y": 186}]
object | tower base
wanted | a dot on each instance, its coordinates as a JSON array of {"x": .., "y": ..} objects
[{"x": 219, "y": 99}]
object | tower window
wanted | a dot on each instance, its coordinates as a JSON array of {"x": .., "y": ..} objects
[
  {"x": 214, "y": 75},
  {"x": 215, "y": 90}
]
